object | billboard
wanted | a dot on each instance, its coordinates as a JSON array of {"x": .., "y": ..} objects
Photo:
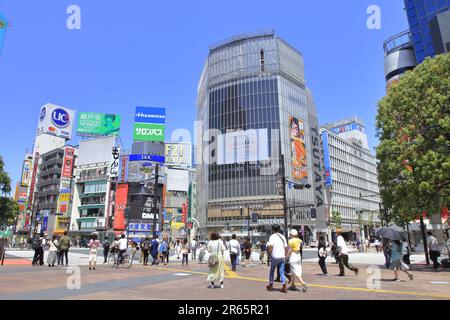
[
  {"x": 298, "y": 149},
  {"x": 96, "y": 150},
  {"x": 149, "y": 132},
  {"x": 140, "y": 170},
  {"x": 56, "y": 120},
  {"x": 68, "y": 164},
  {"x": 177, "y": 180},
  {"x": 326, "y": 160},
  {"x": 178, "y": 154},
  {"x": 98, "y": 124},
  {"x": 150, "y": 115},
  {"x": 147, "y": 157},
  {"x": 63, "y": 202},
  {"x": 26, "y": 173},
  {"x": 123, "y": 168},
  {"x": 121, "y": 203}
]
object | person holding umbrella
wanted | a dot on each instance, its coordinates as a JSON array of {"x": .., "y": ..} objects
[{"x": 397, "y": 263}]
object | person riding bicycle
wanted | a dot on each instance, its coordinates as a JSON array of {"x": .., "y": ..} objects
[{"x": 122, "y": 246}]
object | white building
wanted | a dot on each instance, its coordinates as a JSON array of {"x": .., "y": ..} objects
[{"x": 351, "y": 182}]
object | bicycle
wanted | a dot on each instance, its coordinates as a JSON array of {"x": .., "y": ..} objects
[{"x": 127, "y": 261}]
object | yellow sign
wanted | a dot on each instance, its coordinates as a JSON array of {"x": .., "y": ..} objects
[
  {"x": 176, "y": 225},
  {"x": 65, "y": 197}
]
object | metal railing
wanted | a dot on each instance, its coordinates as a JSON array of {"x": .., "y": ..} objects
[{"x": 398, "y": 42}]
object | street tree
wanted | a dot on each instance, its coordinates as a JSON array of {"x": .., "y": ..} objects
[
  {"x": 9, "y": 209},
  {"x": 413, "y": 125}
]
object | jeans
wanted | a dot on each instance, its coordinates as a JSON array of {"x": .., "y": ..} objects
[
  {"x": 66, "y": 254},
  {"x": 120, "y": 256},
  {"x": 343, "y": 261},
  {"x": 59, "y": 257},
  {"x": 323, "y": 265},
  {"x": 233, "y": 257},
  {"x": 145, "y": 260},
  {"x": 274, "y": 263},
  {"x": 155, "y": 258},
  {"x": 194, "y": 253},
  {"x": 185, "y": 258}
]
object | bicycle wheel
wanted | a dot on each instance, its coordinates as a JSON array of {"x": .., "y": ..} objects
[
  {"x": 111, "y": 260},
  {"x": 127, "y": 261}
]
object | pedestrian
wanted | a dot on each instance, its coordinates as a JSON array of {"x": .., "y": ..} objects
[
  {"x": 386, "y": 252},
  {"x": 38, "y": 247},
  {"x": 295, "y": 261},
  {"x": 322, "y": 253},
  {"x": 122, "y": 246},
  {"x": 2, "y": 249},
  {"x": 343, "y": 256},
  {"x": 202, "y": 252},
  {"x": 235, "y": 251},
  {"x": 396, "y": 260},
  {"x": 247, "y": 252},
  {"x": 377, "y": 244},
  {"x": 93, "y": 244},
  {"x": 22, "y": 243},
  {"x": 134, "y": 249},
  {"x": 106, "y": 249},
  {"x": 335, "y": 252},
  {"x": 53, "y": 251},
  {"x": 194, "y": 249},
  {"x": 164, "y": 250},
  {"x": 277, "y": 247},
  {"x": 146, "y": 244},
  {"x": 433, "y": 249},
  {"x": 406, "y": 253},
  {"x": 367, "y": 244},
  {"x": 64, "y": 245},
  {"x": 216, "y": 262},
  {"x": 185, "y": 252},
  {"x": 263, "y": 252},
  {"x": 154, "y": 250}
]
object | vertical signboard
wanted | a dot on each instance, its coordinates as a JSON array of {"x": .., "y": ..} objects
[
  {"x": 33, "y": 178},
  {"x": 298, "y": 149},
  {"x": 26, "y": 173},
  {"x": 123, "y": 168},
  {"x": 149, "y": 124},
  {"x": 69, "y": 157},
  {"x": 114, "y": 166},
  {"x": 121, "y": 204},
  {"x": 326, "y": 160}
]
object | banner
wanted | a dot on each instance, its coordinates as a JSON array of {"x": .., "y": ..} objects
[
  {"x": 69, "y": 156},
  {"x": 147, "y": 157},
  {"x": 298, "y": 150},
  {"x": 98, "y": 124},
  {"x": 150, "y": 115},
  {"x": 121, "y": 204},
  {"x": 326, "y": 160},
  {"x": 123, "y": 168},
  {"x": 26, "y": 173},
  {"x": 149, "y": 132}
]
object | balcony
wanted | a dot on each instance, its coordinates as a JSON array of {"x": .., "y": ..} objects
[
  {"x": 44, "y": 173},
  {"x": 49, "y": 182},
  {"x": 398, "y": 42}
]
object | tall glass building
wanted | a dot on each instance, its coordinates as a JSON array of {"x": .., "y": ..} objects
[
  {"x": 421, "y": 14},
  {"x": 254, "y": 110}
]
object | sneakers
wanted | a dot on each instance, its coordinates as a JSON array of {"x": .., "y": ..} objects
[
  {"x": 210, "y": 286},
  {"x": 221, "y": 286},
  {"x": 305, "y": 288}
]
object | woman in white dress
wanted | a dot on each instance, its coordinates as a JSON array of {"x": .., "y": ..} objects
[
  {"x": 216, "y": 272},
  {"x": 295, "y": 261}
]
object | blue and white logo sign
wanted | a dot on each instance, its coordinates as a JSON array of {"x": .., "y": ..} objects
[
  {"x": 43, "y": 113},
  {"x": 150, "y": 115},
  {"x": 147, "y": 157},
  {"x": 60, "y": 118}
]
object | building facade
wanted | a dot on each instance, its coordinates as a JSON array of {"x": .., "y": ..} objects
[
  {"x": 351, "y": 182},
  {"x": 255, "y": 110}
]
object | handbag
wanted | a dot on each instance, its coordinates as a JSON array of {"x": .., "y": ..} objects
[{"x": 213, "y": 259}]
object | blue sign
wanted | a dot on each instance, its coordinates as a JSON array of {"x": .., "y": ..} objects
[
  {"x": 326, "y": 160},
  {"x": 150, "y": 115},
  {"x": 60, "y": 118},
  {"x": 43, "y": 113},
  {"x": 147, "y": 157}
]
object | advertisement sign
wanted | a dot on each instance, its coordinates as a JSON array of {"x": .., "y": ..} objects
[
  {"x": 150, "y": 115},
  {"x": 140, "y": 170},
  {"x": 56, "y": 120},
  {"x": 33, "y": 178},
  {"x": 298, "y": 149},
  {"x": 62, "y": 224},
  {"x": 149, "y": 132},
  {"x": 26, "y": 173},
  {"x": 114, "y": 166},
  {"x": 178, "y": 154},
  {"x": 98, "y": 124},
  {"x": 326, "y": 160},
  {"x": 147, "y": 157},
  {"x": 69, "y": 157},
  {"x": 123, "y": 168},
  {"x": 121, "y": 203},
  {"x": 177, "y": 180},
  {"x": 348, "y": 127}
]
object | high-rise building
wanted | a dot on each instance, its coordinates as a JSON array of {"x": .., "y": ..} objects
[
  {"x": 351, "y": 179},
  {"x": 254, "y": 109},
  {"x": 428, "y": 35}
]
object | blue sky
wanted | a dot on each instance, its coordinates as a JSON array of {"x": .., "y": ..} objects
[{"x": 151, "y": 53}]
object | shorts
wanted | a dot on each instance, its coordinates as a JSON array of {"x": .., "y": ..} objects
[
  {"x": 399, "y": 265},
  {"x": 93, "y": 256}
]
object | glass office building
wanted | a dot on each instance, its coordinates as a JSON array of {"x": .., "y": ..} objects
[
  {"x": 421, "y": 14},
  {"x": 254, "y": 107}
]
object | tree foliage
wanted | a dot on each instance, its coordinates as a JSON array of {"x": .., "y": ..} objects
[
  {"x": 413, "y": 125},
  {"x": 336, "y": 219},
  {"x": 9, "y": 209}
]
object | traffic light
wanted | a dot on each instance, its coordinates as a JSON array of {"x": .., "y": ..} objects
[
  {"x": 313, "y": 213},
  {"x": 254, "y": 217}
]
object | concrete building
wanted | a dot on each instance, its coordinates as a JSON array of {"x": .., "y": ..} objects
[
  {"x": 254, "y": 110},
  {"x": 351, "y": 180}
]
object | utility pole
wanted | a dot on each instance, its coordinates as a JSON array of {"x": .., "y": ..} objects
[
  {"x": 424, "y": 239},
  {"x": 155, "y": 199},
  {"x": 284, "y": 196}
]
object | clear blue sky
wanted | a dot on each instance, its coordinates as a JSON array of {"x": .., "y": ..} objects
[{"x": 151, "y": 53}]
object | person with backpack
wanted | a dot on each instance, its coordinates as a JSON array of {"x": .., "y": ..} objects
[
  {"x": 322, "y": 253},
  {"x": 52, "y": 251},
  {"x": 146, "y": 250},
  {"x": 216, "y": 262},
  {"x": 396, "y": 262},
  {"x": 37, "y": 245},
  {"x": 164, "y": 251},
  {"x": 64, "y": 245}
]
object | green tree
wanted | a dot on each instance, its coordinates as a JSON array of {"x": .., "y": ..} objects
[
  {"x": 413, "y": 124},
  {"x": 336, "y": 219},
  {"x": 9, "y": 209}
]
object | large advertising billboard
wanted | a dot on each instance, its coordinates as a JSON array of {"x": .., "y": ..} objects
[
  {"x": 140, "y": 171},
  {"x": 69, "y": 157},
  {"x": 26, "y": 173},
  {"x": 98, "y": 124},
  {"x": 326, "y": 160},
  {"x": 150, "y": 115},
  {"x": 121, "y": 203},
  {"x": 56, "y": 120},
  {"x": 298, "y": 149},
  {"x": 149, "y": 132},
  {"x": 178, "y": 154},
  {"x": 177, "y": 180}
]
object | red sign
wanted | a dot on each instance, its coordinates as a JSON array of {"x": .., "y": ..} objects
[
  {"x": 68, "y": 163},
  {"x": 184, "y": 213},
  {"x": 33, "y": 179},
  {"x": 121, "y": 204}
]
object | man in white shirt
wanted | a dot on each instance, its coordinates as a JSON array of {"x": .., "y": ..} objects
[
  {"x": 235, "y": 251},
  {"x": 123, "y": 245},
  {"x": 194, "y": 249},
  {"x": 433, "y": 248},
  {"x": 277, "y": 247},
  {"x": 343, "y": 256}
]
